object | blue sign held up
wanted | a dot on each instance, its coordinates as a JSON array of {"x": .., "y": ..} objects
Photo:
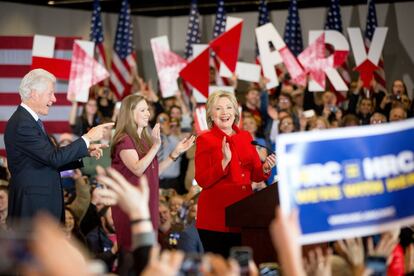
[{"x": 348, "y": 182}]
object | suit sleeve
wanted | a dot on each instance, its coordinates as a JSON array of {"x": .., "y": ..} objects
[
  {"x": 208, "y": 168},
  {"x": 33, "y": 143}
]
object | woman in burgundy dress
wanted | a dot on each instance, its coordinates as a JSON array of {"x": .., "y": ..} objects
[{"x": 134, "y": 153}]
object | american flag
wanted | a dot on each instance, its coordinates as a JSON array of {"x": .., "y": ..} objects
[
  {"x": 293, "y": 32},
  {"x": 15, "y": 62},
  {"x": 264, "y": 18},
  {"x": 97, "y": 33},
  {"x": 219, "y": 28},
  {"x": 334, "y": 22},
  {"x": 123, "y": 57},
  {"x": 220, "y": 22},
  {"x": 372, "y": 23},
  {"x": 193, "y": 30}
]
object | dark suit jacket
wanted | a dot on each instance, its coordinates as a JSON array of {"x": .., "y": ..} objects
[{"x": 34, "y": 164}]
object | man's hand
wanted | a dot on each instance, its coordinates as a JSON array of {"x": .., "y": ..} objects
[
  {"x": 96, "y": 133},
  {"x": 95, "y": 150}
]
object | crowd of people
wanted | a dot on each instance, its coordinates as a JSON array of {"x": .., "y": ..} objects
[{"x": 149, "y": 194}]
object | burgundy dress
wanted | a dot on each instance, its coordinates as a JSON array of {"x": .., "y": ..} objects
[{"x": 121, "y": 220}]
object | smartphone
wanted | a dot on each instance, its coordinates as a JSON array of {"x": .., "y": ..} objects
[
  {"x": 242, "y": 254},
  {"x": 269, "y": 269},
  {"x": 309, "y": 113},
  {"x": 66, "y": 174},
  {"x": 377, "y": 264},
  {"x": 191, "y": 265}
]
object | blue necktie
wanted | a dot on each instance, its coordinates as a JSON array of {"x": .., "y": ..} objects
[{"x": 40, "y": 123}]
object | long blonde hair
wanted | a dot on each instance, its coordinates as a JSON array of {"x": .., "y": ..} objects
[{"x": 126, "y": 125}]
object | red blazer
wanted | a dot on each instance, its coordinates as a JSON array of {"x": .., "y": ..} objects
[{"x": 223, "y": 188}]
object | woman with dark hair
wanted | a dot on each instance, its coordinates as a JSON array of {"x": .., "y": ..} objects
[
  {"x": 71, "y": 228},
  {"x": 134, "y": 153},
  {"x": 89, "y": 118}
]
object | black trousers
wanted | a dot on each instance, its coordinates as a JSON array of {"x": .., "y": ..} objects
[{"x": 219, "y": 242}]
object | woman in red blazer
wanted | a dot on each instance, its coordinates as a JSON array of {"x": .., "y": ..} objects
[{"x": 225, "y": 165}]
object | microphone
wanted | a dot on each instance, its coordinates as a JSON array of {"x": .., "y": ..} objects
[{"x": 254, "y": 143}]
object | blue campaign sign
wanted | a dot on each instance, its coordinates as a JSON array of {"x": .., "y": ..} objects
[{"x": 348, "y": 182}]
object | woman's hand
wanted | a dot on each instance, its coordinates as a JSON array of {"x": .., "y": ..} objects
[
  {"x": 183, "y": 146},
  {"x": 156, "y": 135},
  {"x": 226, "y": 153},
  {"x": 269, "y": 163}
]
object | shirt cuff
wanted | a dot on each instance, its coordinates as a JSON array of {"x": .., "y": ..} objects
[{"x": 86, "y": 141}]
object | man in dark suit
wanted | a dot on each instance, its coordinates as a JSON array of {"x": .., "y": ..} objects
[{"x": 34, "y": 162}]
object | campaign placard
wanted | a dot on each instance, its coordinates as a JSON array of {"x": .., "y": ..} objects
[{"x": 348, "y": 182}]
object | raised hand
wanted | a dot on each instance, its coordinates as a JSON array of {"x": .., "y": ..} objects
[
  {"x": 285, "y": 232},
  {"x": 216, "y": 265},
  {"x": 183, "y": 146},
  {"x": 353, "y": 251},
  {"x": 132, "y": 200},
  {"x": 409, "y": 259},
  {"x": 167, "y": 263},
  {"x": 272, "y": 112},
  {"x": 226, "y": 153},
  {"x": 156, "y": 135},
  {"x": 48, "y": 246},
  {"x": 96, "y": 133},
  {"x": 385, "y": 246},
  {"x": 317, "y": 264}
]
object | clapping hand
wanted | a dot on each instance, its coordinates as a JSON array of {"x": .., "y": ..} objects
[
  {"x": 269, "y": 163},
  {"x": 156, "y": 135},
  {"x": 184, "y": 145},
  {"x": 226, "y": 153}
]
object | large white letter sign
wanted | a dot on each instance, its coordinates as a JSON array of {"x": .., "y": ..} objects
[
  {"x": 269, "y": 57},
  {"x": 366, "y": 64},
  {"x": 244, "y": 71},
  {"x": 318, "y": 65},
  {"x": 168, "y": 65}
]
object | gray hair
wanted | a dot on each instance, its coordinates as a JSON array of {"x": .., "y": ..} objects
[{"x": 35, "y": 80}]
